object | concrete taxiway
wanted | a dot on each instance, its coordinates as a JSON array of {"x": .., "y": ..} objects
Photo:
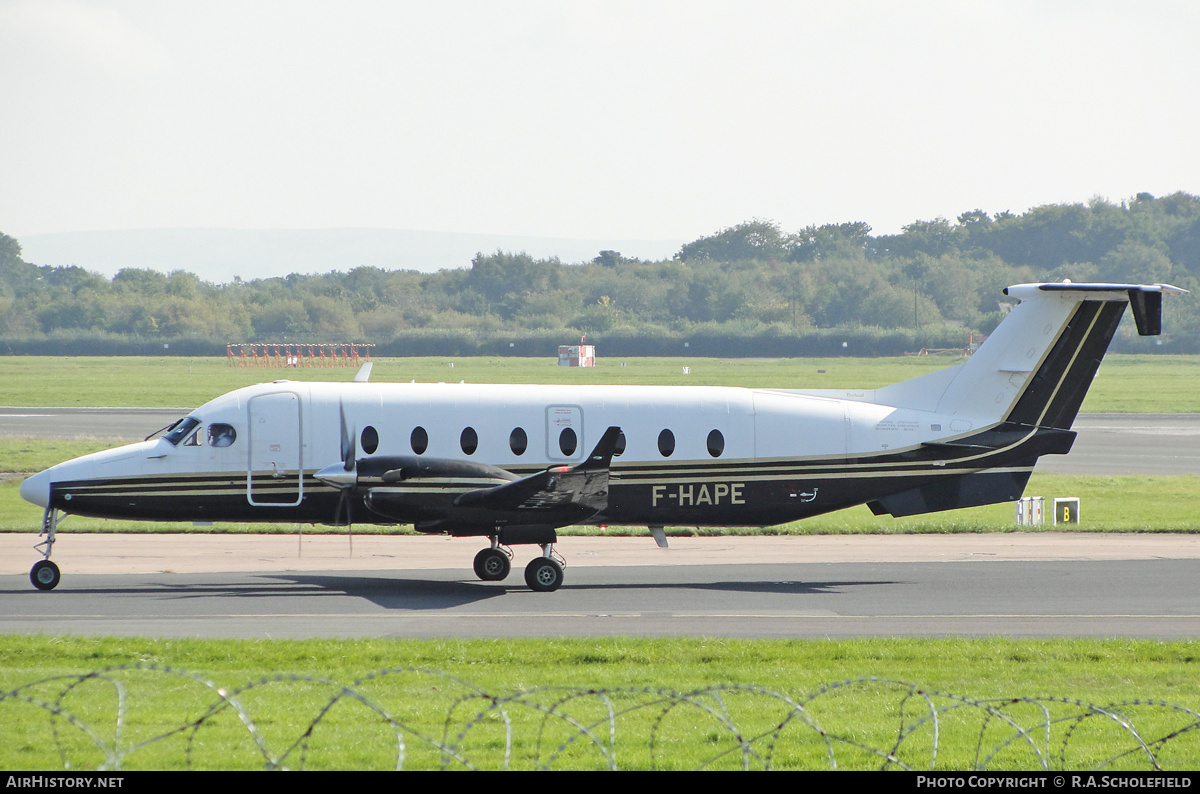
[{"x": 1044, "y": 584}]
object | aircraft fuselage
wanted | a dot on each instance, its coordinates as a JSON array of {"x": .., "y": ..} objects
[{"x": 702, "y": 456}]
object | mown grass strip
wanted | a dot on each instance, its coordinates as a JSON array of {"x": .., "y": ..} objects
[
  {"x": 1126, "y": 383},
  {"x": 1095, "y": 671}
]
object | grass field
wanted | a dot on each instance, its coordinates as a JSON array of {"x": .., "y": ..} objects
[
  {"x": 511, "y": 671},
  {"x": 1135, "y": 384},
  {"x": 983, "y": 690}
]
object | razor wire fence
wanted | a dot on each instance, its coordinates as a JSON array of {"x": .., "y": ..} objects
[{"x": 147, "y": 716}]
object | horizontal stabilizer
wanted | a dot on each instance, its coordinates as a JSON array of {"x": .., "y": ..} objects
[
  {"x": 1144, "y": 299},
  {"x": 970, "y": 490},
  {"x": 1035, "y": 440}
]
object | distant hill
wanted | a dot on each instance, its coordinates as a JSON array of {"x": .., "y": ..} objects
[{"x": 217, "y": 255}]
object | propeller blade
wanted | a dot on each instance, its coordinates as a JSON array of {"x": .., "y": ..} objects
[
  {"x": 349, "y": 520},
  {"x": 349, "y": 447},
  {"x": 344, "y": 476},
  {"x": 337, "y": 511},
  {"x": 346, "y": 501}
]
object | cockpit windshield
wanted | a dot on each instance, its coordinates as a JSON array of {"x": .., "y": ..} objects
[{"x": 180, "y": 430}]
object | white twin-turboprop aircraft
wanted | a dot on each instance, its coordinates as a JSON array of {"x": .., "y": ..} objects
[{"x": 514, "y": 463}]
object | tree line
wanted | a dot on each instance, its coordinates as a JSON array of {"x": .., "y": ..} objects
[{"x": 750, "y": 289}]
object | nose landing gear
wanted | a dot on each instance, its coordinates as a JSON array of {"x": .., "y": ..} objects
[{"x": 44, "y": 574}]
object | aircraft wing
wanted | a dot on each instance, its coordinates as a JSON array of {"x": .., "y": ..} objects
[{"x": 582, "y": 486}]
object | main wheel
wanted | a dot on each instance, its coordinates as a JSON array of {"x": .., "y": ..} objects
[
  {"x": 44, "y": 575},
  {"x": 492, "y": 565},
  {"x": 543, "y": 575}
]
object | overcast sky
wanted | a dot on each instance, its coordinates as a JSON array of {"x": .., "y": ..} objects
[{"x": 585, "y": 119}]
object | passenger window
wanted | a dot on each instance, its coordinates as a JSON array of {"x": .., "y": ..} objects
[
  {"x": 666, "y": 443},
  {"x": 221, "y": 435},
  {"x": 568, "y": 441},
  {"x": 370, "y": 439},
  {"x": 469, "y": 440},
  {"x": 716, "y": 443},
  {"x": 419, "y": 440},
  {"x": 518, "y": 442}
]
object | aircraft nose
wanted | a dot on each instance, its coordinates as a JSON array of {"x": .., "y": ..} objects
[{"x": 36, "y": 489}]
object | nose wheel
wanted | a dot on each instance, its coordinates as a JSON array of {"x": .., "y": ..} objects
[{"x": 44, "y": 575}]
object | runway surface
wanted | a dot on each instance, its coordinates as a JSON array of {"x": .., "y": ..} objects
[
  {"x": 1018, "y": 585},
  {"x": 1107, "y": 443},
  {"x": 122, "y": 425},
  {"x": 1130, "y": 444},
  {"x": 964, "y": 585}
]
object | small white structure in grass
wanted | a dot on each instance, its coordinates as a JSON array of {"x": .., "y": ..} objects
[
  {"x": 577, "y": 355},
  {"x": 1031, "y": 511}
]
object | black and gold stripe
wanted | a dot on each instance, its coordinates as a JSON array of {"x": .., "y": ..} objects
[{"x": 1055, "y": 392}]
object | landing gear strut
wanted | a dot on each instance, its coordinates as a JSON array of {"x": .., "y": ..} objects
[{"x": 45, "y": 574}]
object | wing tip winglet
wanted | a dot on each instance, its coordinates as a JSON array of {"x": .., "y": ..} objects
[{"x": 602, "y": 454}]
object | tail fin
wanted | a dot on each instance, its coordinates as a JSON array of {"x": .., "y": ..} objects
[
  {"x": 1022, "y": 388},
  {"x": 1035, "y": 369}
]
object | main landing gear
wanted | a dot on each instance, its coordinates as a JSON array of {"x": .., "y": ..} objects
[
  {"x": 543, "y": 574},
  {"x": 45, "y": 574},
  {"x": 493, "y": 564}
]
